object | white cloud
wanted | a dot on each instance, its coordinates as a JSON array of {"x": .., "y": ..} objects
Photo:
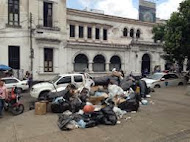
[
  {"x": 122, "y": 8},
  {"x": 125, "y": 8},
  {"x": 165, "y": 9}
]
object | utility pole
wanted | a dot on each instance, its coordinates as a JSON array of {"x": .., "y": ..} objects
[{"x": 31, "y": 46}]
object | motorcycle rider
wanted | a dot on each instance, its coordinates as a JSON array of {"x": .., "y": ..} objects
[{"x": 3, "y": 94}]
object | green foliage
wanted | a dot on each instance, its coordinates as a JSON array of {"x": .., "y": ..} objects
[
  {"x": 176, "y": 34},
  {"x": 158, "y": 32}
]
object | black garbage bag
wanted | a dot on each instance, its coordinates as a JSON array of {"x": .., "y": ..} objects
[
  {"x": 144, "y": 90},
  {"x": 132, "y": 104},
  {"x": 126, "y": 84},
  {"x": 60, "y": 105},
  {"x": 104, "y": 80},
  {"x": 60, "y": 108},
  {"x": 64, "y": 120},
  {"x": 76, "y": 105},
  {"x": 110, "y": 117}
]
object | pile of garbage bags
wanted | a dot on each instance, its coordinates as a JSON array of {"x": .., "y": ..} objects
[{"x": 104, "y": 103}]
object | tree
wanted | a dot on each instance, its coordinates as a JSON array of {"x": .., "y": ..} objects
[
  {"x": 176, "y": 34},
  {"x": 159, "y": 32}
]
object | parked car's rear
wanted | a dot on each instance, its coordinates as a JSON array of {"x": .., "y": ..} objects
[{"x": 11, "y": 82}]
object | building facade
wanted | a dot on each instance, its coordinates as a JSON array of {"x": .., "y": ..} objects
[{"x": 46, "y": 38}]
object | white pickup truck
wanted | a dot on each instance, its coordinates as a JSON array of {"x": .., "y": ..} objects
[{"x": 61, "y": 81}]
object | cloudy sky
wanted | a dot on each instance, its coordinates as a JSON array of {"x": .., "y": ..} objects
[{"x": 125, "y": 8}]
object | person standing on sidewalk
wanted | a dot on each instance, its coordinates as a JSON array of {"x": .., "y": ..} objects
[{"x": 3, "y": 94}]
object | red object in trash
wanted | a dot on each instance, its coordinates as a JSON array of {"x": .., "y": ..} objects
[{"x": 88, "y": 108}]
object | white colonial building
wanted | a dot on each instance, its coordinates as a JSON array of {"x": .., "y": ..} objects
[{"x": 46, "y": 38}]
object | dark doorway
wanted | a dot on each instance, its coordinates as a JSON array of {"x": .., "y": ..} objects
[
  {"x": 14, "y": 57},
  {"x": 145, "y": 68}
]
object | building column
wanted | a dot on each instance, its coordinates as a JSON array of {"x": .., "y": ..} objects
[
  {"x": 101, "y": 34},
  {"x": 55, "y": 15},
  {"x": 55, "y": 60},
  {"x": 90, "y": 68},
  {"x": 76, "y": 31},
  {"x": 41, "y": 61},
  {"x": 107, "y": 67},
  {"x": 40, "y": 13},
  {"x": 93, "y": 32},
  {"x": 85, "y": 32}
]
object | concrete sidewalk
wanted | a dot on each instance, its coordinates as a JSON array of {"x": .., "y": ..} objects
[{"x": 166, "y": 118}]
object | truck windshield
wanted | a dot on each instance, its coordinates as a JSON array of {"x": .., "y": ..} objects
[{"x": 55, "y": 79}]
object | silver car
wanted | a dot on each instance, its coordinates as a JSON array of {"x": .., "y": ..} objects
[{"x": 158, "y": 80}]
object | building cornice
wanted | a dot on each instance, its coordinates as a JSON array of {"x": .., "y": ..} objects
[
  {"x": 97, "y": 46},
  {"x": 89, "y": 23},
  {"x": 146, "y": 43},
  {"x": 106, "y": 17}
]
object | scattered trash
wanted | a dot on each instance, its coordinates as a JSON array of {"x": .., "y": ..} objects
[
  {"x": 127, "y": 118},
  {"x": 89, "y": 105},
  {"x": 148, "y": 96},
  {"x": 144, "y": 102},
  {"x": 82, "y": 124},
  {"x": 151, "y": 102},
  {"x": 119, "y": 113},
  {"x": 118, "y": 122}
]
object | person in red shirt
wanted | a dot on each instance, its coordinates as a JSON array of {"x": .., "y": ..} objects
[{"x": 3, "y": 94}]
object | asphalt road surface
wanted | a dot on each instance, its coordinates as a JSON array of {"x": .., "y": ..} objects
[{"x": 166, "y": 118}]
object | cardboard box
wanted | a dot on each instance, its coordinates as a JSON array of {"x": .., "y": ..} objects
[
  {"x": 40, "y": 108},
  {"x": 94, "y": 88},
  {"x": 96, "y": 100}
]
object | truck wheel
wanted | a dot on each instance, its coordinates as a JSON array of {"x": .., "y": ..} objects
[
  {"x": 43, "y": 95},
  {"x": 157, "y": 86},
  {"x": 180, "y": 84}
]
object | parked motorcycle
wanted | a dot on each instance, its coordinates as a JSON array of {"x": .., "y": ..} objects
[{"x": 12, "y": 103}]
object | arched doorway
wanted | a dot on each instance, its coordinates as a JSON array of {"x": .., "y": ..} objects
[
  {"x": 115, "y": 62},
  {"x": 145, "y": 68},
  {"x": 99, "y": 63},
  {"x": 80, "y": 63}
]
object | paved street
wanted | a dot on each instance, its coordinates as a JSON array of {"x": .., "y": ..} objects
[
  {"x": 26, "y": 99},
  {"x": 164, "y": 119}
]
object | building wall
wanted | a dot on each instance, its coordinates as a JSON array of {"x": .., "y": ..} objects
[
  {"x": 54, "y": 37},
  {"x": 65, "y": 49},
  {"x": 133, "y": 48},
  {"x": 14, "y": 36}
]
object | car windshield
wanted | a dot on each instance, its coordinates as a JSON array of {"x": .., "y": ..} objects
[
  {"x": 156, "y": 76},
  {"x": 55, "y": 79}
]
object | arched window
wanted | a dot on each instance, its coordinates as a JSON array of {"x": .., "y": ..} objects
[
  {"x": 99, "y": 63},
  {"x": 115, "y": 62},
  {"x": 80, "y": 63},
  {"x": 138, "y": 34},
  {"x": 132, "y": 33},
  {"x": 125, "y": 32}
]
